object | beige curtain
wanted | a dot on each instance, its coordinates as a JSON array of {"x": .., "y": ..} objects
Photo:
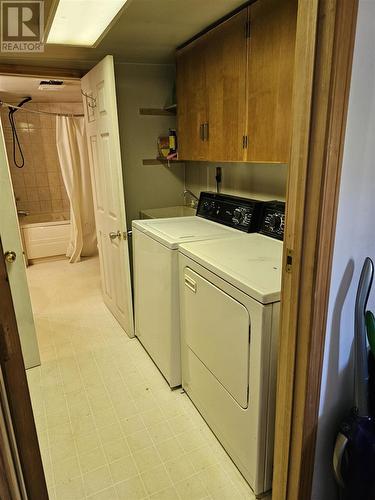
[{"x": 74, "y": 163}]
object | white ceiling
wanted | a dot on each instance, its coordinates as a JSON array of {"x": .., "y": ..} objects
[
  {"x": 14, "y": 88},
  {"x": 147, "y": 31}
]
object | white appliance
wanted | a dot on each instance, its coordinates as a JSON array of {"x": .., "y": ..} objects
[
  {"x": 230, "y": 301},
  {"x": 156, "y": 295}
]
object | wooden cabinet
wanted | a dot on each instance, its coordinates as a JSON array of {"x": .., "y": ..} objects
[
  {"x": 225, "y": 62},
  {"x": 234, "y": 87},
  {"x": 211, "y": 93},
  {"x": 270, "y": 80},
  {"x": 192, "y": 102}
]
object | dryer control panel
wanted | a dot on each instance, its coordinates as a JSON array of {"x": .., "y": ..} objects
[
  {"x": 273, "y": 219},
  {"x": 240, "y": 213}
]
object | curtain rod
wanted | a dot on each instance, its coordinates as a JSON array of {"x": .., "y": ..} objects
[{"x": 7, "y": 105}]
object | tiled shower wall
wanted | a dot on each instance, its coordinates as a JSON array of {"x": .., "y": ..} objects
[{"x": 38, "y": 186}]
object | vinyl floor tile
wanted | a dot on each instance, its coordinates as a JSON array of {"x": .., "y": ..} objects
[{"x": 109, "y": 426}]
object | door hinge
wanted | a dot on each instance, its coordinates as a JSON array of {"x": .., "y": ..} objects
[
  {"x": 247, "y": 29},
  {"x": 245, "y": 141},
  {"x": 289, "y": 260}
]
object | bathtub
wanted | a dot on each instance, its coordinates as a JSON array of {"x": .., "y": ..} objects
[{"x": 45, "y": 235}]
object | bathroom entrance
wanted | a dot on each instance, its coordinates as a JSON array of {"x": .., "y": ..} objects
[{"x": 63, "y": 173}]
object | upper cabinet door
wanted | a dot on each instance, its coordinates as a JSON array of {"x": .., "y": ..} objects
[
  {"x": 270, "y": 80},
  {"x": 192, "y": 102},
  {"x": 226, "y": 52},
  {"x": 234, "y": 87}
]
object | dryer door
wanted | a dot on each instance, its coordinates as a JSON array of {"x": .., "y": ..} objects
[{"x": 218, "y": 332}]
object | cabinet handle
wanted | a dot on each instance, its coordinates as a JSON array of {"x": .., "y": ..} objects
[
  {"x": 201, "y": 132},
  {"x": 205, "y": 131}
]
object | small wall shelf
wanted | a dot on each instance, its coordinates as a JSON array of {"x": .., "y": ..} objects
[{"x": 168, "y": 111}]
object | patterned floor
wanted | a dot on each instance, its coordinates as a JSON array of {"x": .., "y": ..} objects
[{"x": 109, "y": 427}]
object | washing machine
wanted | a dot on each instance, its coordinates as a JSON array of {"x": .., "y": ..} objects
[
  {"x": 155, "y": 254},
  {"x": 229, "y": 305}
]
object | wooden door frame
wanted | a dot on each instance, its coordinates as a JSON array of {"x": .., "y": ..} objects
[
  {"x": 324, "y": 51},
  {"x": 21, "y": 418},
  {"x": 11, "y": 480}
]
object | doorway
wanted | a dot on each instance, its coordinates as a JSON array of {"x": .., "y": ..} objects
[
  {"x": 108, "y": 425},
  {"x": 291, "y": 422},
  {"x": 41, "y": 180}
]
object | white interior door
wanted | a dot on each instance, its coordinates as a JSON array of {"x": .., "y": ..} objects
[
  {"x": 11, "y": 239},
  {"x": 109, "y": 202}
]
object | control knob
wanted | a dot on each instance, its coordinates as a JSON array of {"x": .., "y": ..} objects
[
  {"x": 275, "y": 222},
  {"x": 237, "y": 216}
]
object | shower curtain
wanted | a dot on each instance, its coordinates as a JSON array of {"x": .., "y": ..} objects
[{"x": 74, "y": 162}]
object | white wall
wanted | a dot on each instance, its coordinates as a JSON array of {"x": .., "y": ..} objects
[
  {"x": 260, "y": 181},
  {"x": 146, "y": 186},
  {"x": 355, "y": 239}
]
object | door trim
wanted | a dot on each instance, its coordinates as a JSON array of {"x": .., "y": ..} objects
[
  {"x": 324, "y": 49},
  {"x": 324, "y": 52},
  {"x": 17, "y": 391},
  {"x": 11, "y": 478}
]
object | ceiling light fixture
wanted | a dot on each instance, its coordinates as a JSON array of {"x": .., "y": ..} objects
[{"x": 83, "y": 22}]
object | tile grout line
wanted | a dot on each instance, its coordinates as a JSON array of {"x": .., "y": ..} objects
[
  {"x": 47, "y": 426},
  {"x": 48, "y": 429},
  {"x": 154, "y": 444},
  {"x": 174, "y": 435},
  {"x": 95, "y": 424},
  {"x": 122, "y": 433},
  {"x": 184, "y": 454},
  {"x": 47, "y": 432},
  {"x": 71, "y": 426}
]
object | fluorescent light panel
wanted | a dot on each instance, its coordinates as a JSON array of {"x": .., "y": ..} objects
[{"x": 81, "y": 22}]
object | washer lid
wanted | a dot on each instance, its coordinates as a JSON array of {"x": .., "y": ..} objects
[
  {"x": 176, "y": 230},
  {"x": 252, "y": 263}
]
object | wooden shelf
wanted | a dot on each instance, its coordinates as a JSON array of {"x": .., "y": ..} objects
[
  {"x": 168, "y": 111},
  {"x": 159, "y": 160},
  {"x": 171, "y": 108}
]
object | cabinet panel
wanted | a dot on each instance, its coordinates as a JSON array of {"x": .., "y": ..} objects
[
  {"x": 191, "y": 102},
  {"x": 270, "y": 79},
  {"x": 225, "y": 61},
  {"x": 240, "y": 87}
]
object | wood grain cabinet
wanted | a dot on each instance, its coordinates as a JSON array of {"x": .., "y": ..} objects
[
  {"x": 234, "y": 87},
  {"x": 192, "y": 102}
]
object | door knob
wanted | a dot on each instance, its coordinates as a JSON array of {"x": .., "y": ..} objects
[
  {"x": 10, "y": 256},
  {"x": 113, "y": 235}
]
